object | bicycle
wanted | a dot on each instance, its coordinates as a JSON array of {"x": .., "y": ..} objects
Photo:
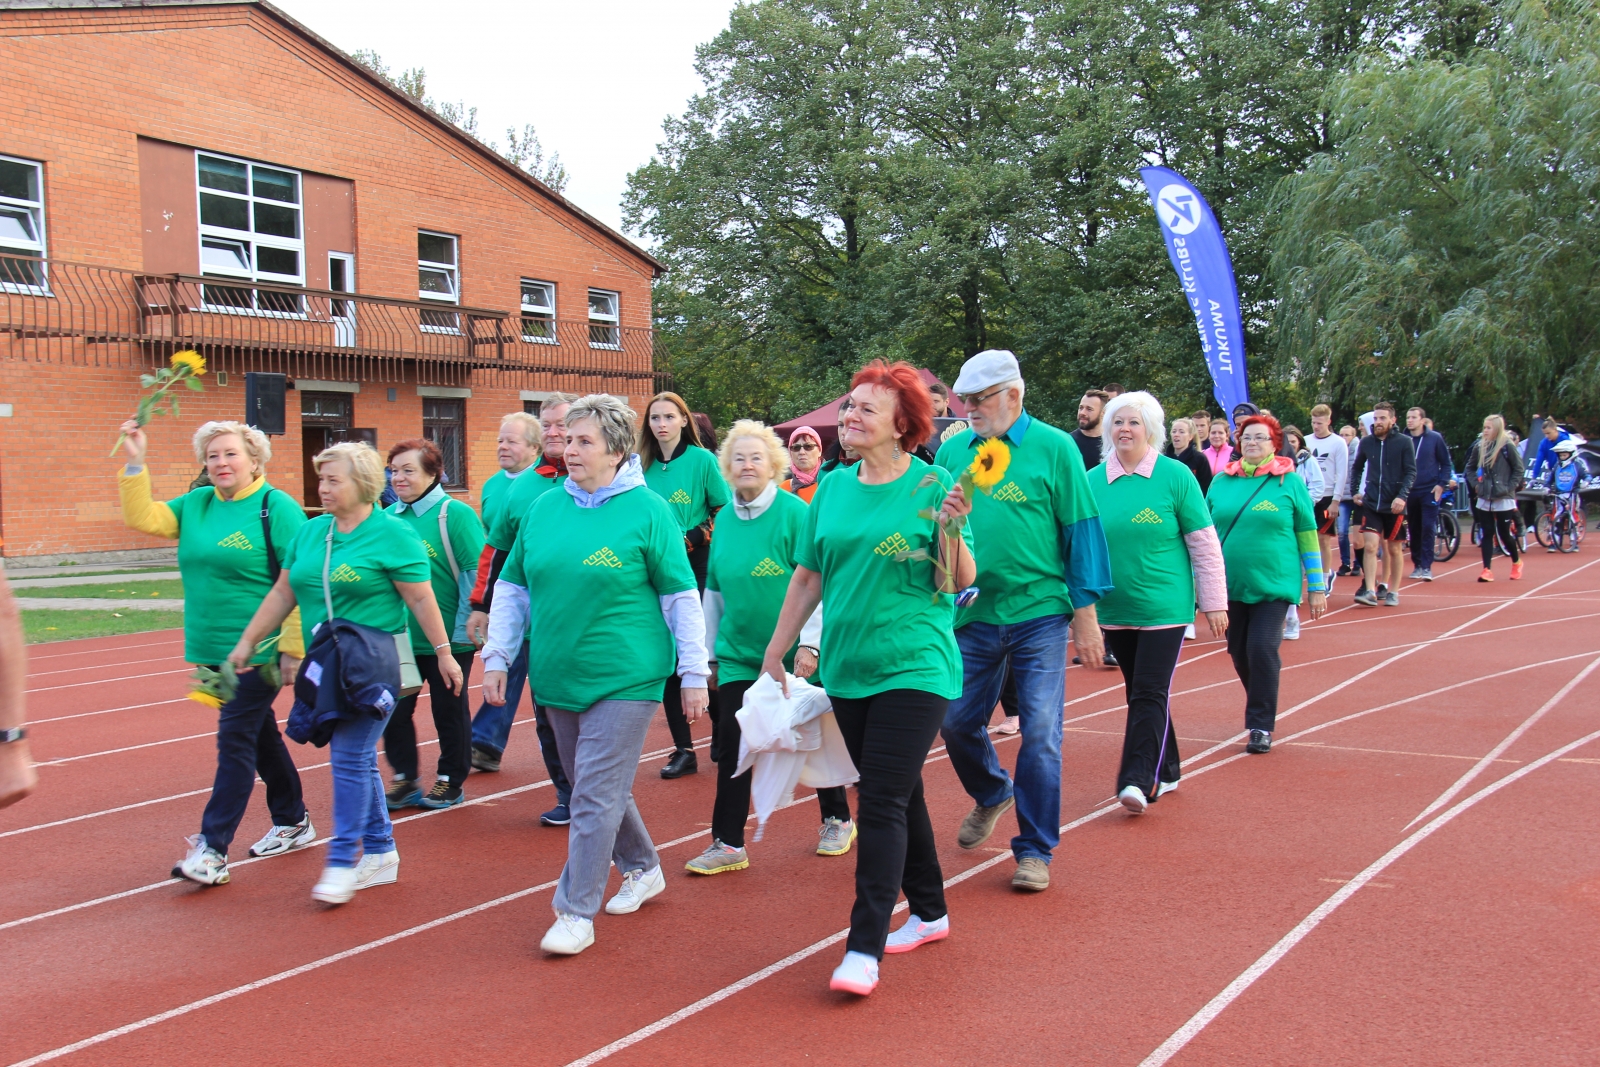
[
  {"x": 1447, "y": 536},
  {"x": 1560, "y": 526}
]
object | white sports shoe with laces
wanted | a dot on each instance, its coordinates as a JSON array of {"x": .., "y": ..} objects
[
  {"x": 570, "y": 935},
  {"x": 281, "y": 839},
  {"x": 637, "y": 887},
  {"x": 202, "y": 864}
]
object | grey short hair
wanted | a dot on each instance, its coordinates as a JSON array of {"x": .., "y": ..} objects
[
  {"x": 366, "y": 469},
  {"x": 1017, "y": 384},
  {"x": 256, "y": 444},
  {"x": 557, "y": 399},
  {"x": 614, "y": 418},
  {"x": 1150, "y": 413},
  {"x": 532, "y": 432}
]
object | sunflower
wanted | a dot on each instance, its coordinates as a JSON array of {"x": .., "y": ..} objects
[
  {"x": 200, "y": 696},
  {"x": 191, "y": 359},
  {"x": 989, "y": 465}
]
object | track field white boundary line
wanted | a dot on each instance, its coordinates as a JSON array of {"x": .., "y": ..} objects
[{"x": 175, "y": 639}]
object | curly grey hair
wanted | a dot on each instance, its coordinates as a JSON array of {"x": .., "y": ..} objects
[{"x": 615, "y": 420}]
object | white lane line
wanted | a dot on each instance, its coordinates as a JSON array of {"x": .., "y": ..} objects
[
  {"x": 1352, "y": 680},
  {"x": 176, "y": 639},
  {"x": 107, "y": 811},
  {"x": 97, "y": 666},
  {"x": 1218, "y": 1004},
  {"x": 103, "y": 681},
  {"x": 1495, "y": 752},
  {"x": 127, "y": 748},
  {"x": 108, "y": 711}
]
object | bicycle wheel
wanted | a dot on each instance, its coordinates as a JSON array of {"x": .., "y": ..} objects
[
  {"x": 1580, "y": 523},
  {"x": 1447, "y": 539},
  {"x": 1541, "y": 529},
  {"x": 1569, "y": 533}
]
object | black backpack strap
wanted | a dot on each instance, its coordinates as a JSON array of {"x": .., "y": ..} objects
[
  {"x": 1240, "y": 513},
  {"x": 273, "y": 567}
]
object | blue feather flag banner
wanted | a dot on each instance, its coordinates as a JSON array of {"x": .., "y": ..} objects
[{"x": 1205, "y": 272}]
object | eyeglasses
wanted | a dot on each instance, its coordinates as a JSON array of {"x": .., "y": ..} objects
[
  {"x": 1256, "y": 438},
  {"x": 803, "y": 446},
  {"x": 976, "y": 401}
]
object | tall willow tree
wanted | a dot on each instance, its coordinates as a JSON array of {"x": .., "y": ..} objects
[{"x": 1447, "y": 246}]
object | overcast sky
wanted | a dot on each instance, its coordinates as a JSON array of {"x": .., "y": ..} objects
[{"x": 595, "y": 79}]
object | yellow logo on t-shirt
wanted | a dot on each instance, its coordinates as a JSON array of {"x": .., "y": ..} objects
[
  {"x": 431, "y": 553},
  {"x": 680, "y": 497},
  {"x": 1147, "y": 518},
  {"x": 237, "y": 539},
  {"x": 1011, "y": 494},
  {"x": 344, "y": 573},
  {"x": 892, "y": 544},
  {"x": 603, "y": 558},
  {"x": 1265, "y": 505},
  {"x": 768, "y": 569}
]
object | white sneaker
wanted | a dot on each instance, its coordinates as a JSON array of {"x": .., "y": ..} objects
[
  {"x": 1132, "y": 798},
  {"x": 337, "y": 885},
  {"x": 570, "y": 935},
  {"x": 637, "y": 887},
  {"x": 202, "y": 864},
  {"x": 1164, "y": 788},
  {"x": 1188, "y": 632},
  {"x": 379, "y": 868},
  {"x": 1291, "y": 625},
  {"x": 858, "y": 974},
  {"x": 916, "y": 933},
  {"x": 283, "y": 838}
]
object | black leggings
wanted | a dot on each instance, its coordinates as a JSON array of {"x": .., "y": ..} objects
[
  {"x": 1148, "y": 659},
  {"x": 452, "y": 719},
  {"x": 1499, "y": 526},
  {"x": 1255, "y": 632},
  {"x": 888, "y": 735},
  {"x": 731, "y": 810}
]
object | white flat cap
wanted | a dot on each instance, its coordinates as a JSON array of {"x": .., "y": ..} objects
[{"x": 986, "y": 369}]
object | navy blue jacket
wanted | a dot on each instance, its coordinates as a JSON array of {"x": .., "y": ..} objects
[
  {"x": 1434, "y": 466},
  {"x": 350, "y": 670}
]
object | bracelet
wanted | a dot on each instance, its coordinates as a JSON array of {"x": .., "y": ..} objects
[
  {"x": 13, "y": 733},
  {"x": 442, "y": 644}
]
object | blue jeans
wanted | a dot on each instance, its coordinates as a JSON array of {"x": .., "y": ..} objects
[
  {"x": 491, "y": 727},
  {"x": 1037, "y": 653},
  {"x": 359, "y": 814},
  {"x": 248, "y": 743},
  {"x": 1345, "y": 510}
]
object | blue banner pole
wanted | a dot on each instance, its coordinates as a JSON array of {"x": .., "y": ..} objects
[{"x": 1205, "y": 271}]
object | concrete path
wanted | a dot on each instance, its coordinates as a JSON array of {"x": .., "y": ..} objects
[
  {"x": 93, "y": 579},
  {"x": 96, "y": 603}
]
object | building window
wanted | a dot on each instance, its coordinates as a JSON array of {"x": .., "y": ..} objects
[
  {"x": 250, "y": 229},
  {"x": 443, "y": 423},
  {"x": 604, "y": 328},
  {"x": 539, "y": 312},
  {"x": 438, "y": 278},
  {"x": 532, "y": 407},
  {"x": 21, "y": 224}
]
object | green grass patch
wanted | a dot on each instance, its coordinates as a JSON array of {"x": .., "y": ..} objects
[
  {"x": 170, "y": 589},
  {"x": 48, "y": 625}
]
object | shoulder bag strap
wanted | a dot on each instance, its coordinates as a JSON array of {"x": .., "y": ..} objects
[
  {"x": 444, "y": 536},
  {"x": 274, "y": 568},
  {"x": 1239, "y": 515},
  {"x": 327, "y": 565}
]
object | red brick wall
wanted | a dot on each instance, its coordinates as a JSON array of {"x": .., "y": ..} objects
[{"x": 84, "y": 86}]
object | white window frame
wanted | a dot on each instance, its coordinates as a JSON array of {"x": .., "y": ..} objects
[
  {"x": 452, "y": 270},
  {"x": 34, "y": 208},
  {"x": 602, "y": 321},
  {"x": 545, "y": 314},
  {"x": 251, "y": 239},
  {"x": 343, "y": 312}
]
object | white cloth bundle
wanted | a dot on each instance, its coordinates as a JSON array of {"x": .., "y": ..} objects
[{"x": 789, "y": 741}]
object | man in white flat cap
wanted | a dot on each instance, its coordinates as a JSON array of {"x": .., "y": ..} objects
[{"x": 1043, "y": 567}]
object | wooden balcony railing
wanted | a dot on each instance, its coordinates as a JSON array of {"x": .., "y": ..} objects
[{"x": 63, "y": 312}]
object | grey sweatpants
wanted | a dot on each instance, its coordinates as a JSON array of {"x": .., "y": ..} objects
[{"x": 600, "y": 750}]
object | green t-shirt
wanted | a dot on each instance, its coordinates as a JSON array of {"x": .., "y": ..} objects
[
  {"x": 366, "y": 563},
  {"x": 513, "y": 506},
  {"x": 1261, "y": 552},
  {"x": 598, "y": 575},
  {"x": 490, "y": 496},
  {"x": 1146, "y": 520},
  {"x": 751, "y": 563},
  {"x": 222, "y": 554},
  {"x": 692, "y": 484},
  {"x": 1023, "y": 575},
  {"x": 466, "y": 538},
  {"x": 883, "y": 627}
]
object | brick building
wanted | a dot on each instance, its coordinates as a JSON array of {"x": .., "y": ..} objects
[{"x": 209, "y": 174}]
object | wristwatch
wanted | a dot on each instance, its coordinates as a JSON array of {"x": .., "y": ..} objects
[{"x": 13, "y": 733}]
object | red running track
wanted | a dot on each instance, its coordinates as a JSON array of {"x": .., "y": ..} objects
[{"x": 1288, "y": 908}]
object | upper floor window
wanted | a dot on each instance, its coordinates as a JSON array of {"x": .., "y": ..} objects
[
  {"x": 539, "y": 312},
  {"x": 604, "y": 322},
  {"x": 21, "y": 223},
  {"x": 438, "y": 278},
  {"x": 250, "y": 229}
]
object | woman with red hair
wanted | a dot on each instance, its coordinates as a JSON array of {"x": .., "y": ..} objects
[
  {"x": 889, "y": 658},
  {"x": 1268, "y": 529}
]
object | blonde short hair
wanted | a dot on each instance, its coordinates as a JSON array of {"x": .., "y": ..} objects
[
  {"x": 1322, "y": 409},
  {"x": 777, "y": 455},
  {"x": 532, "y": 432},
  {"x": 1193, "y": 430},
  {"x": 1150, "y": 413},
  {"x": 256, "y": 445},
  {"x": 366, "y": 467}
]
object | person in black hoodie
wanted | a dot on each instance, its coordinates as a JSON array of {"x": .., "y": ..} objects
[
  {"x": 1381, "y": 476},
  {"x": 1181, "y": 447}
]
